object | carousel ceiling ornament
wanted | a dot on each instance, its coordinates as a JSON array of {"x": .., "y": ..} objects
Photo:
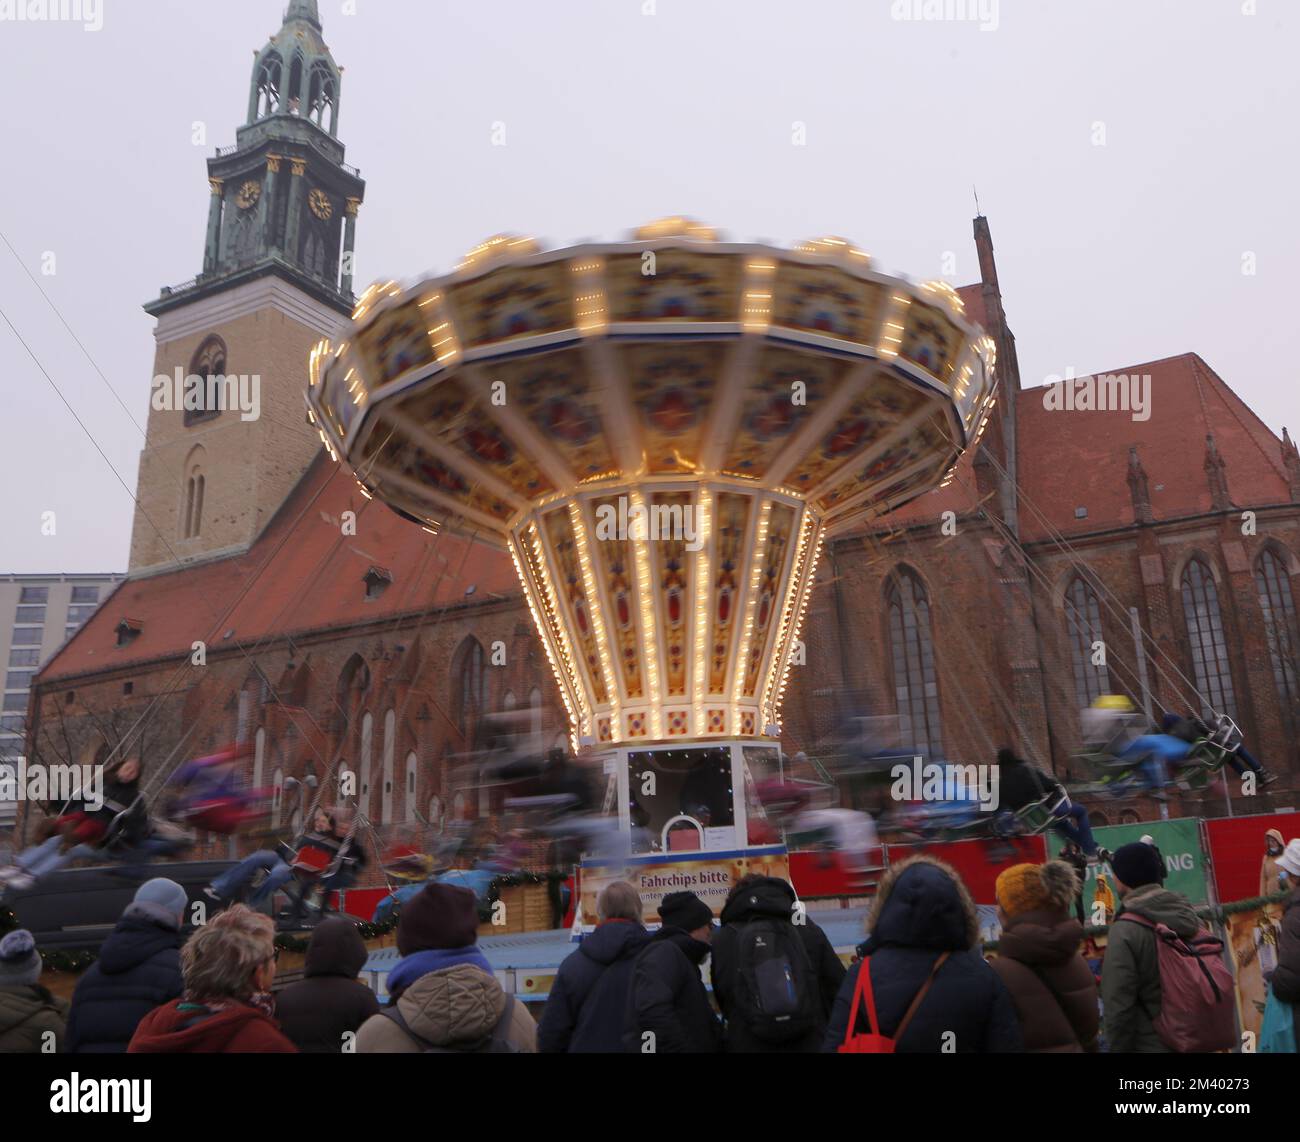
[{"x": 662, "y": 433}]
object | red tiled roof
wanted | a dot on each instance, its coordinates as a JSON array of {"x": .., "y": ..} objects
[
  {"x": 1071, "y": 459},
  {"x": 302, "y": 573}
]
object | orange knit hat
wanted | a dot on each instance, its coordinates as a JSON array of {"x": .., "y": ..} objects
[{"x": 1046, "y": 887}]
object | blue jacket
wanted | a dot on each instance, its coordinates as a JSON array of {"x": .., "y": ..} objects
[
  {"x": 586, "y": 1010},
  {"x": 919, "y": 913},
  {"x": 139, "y": 968}
]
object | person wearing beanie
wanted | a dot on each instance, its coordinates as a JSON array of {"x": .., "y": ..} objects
[
  {"x": 330, "y": 1002},
  {"x": 1130, "y": 973},
  {"x": 138, "y": 969},
  {"x": 31, "y": 1019},
  {"x": 668, "y": 1008},
  {"x": 924, "y": 933},
  {"x": 1039, "y": 958},
  {"x": 443, "y": 995},
  {"x": 763, "y": 908},
  {"x": 1286, "y": 976}
]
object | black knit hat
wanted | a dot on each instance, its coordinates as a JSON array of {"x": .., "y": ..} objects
[
  {"x": 685, "y": 910},
  {"x": 439, "y": 916},
  {"x": 1138, "y": 864}
]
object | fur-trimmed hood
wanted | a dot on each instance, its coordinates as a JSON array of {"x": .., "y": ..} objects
[{"x": 922, "y": 903}]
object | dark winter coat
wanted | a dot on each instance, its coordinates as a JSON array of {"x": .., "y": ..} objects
[
  {"x": 669, "y": 999},
  {"x": 1022, "y": 784},
  {"x": 138, "y": 969},
  {"x": 772, "y": 899},
  {"x": 921, "y": 910},
  {"x": 1050, "y": 983},
  {"x": 179, "y": 1028},
  {"x": 26, "y": 1013},
  {"x": 330, "y": 1002},
  {"x": 586, "y": 1010},
  {"x": 1286, "y": 977},
  {"x": 1130, "y": 972}
]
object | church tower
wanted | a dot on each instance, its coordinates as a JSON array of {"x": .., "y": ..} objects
[{"x": 222, "y": 452}]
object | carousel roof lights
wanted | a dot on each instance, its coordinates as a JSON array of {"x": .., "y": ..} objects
[
  {"x": 645, "y": 593},
  {"x": 675, "y": 226},
  {"x": 677, "y": 410}
]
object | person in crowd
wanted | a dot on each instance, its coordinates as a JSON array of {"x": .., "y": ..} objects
[
  {"x": 32, "y": 1021},
  {"x": 1271, "y": 874},
  {"x": 668, "y": 1008},
  {"x": 922, "y": 912},
  {"x": 1021, "y": 784},
  {"x": 78, "y": 832},
  {"x": 443, "y": 995},
  {"x": 228, "y": 966},
  {"x": 1073, "y": 855},
  {"x": 330, "y": 1002},
  {"x": 1039, "y": 958},
  {"x": 323, "y": 839},
  {"x": 1286, "y": 976},
  {"x": 1130, "y": 974},
  {"x": 587, "y": 1004},
  {"x": 761, "y": 913},
  {"x": 138, "y": 969}
]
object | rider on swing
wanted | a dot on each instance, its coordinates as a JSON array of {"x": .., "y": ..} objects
[
  {"x": 1193, "y": 729},
  {"x": 1021, "y": 784}
]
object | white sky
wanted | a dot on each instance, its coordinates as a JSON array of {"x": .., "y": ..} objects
[{"x": 1108, "y": 255}]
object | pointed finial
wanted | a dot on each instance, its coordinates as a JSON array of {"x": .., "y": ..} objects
[
  {"x": 303, "y": 10},
  {"x": 976, "y": 193}
]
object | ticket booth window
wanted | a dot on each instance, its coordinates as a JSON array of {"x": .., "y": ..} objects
[{"x": 680, "y": 800}]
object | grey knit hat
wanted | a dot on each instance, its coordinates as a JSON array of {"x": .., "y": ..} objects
[
  {"x": 20, "y": 962},
  {"x": 165, "y": 894}
]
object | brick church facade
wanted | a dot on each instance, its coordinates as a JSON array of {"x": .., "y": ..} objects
[{"x": 270, "y": 602}]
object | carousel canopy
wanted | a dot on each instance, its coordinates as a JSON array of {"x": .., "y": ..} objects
[{"x": 661, "y": 432}]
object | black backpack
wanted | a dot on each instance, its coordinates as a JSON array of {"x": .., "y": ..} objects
[
  {"x": 496, "y": 1043},
  {"x": 776, "y": 986}
]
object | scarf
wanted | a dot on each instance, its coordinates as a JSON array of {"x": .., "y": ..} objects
[{"x": 412, "y": 967}]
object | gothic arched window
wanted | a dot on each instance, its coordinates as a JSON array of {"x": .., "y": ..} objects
[
  {"x": 321, "y": 97},
  {"x": 471, "y": 696},
  {"x": 294, "y": 103},
  {"x": 1083, "y": 624},
  {"x": 1205, "y": 636},
  {"x": 1278, "y": 605},
  {"x": 208, "y": 361},
  {"x": 192, "y": 508},
  {"x": 916, "y": 685},
  {"x": 268, "y": 85}
]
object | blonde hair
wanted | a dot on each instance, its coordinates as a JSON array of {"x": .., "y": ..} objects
[
  {"x": 219, "y": 960},
  {"x": 618, "y": 901}
]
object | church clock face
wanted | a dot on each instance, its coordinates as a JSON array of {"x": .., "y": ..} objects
[
  {"x": 320, "y": 204},
  {"x": 248, "y": 195}
]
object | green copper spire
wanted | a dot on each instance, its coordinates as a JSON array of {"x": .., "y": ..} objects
[
  {"x": 303, "y": 10},
  {"x": 284, "y": 202}
]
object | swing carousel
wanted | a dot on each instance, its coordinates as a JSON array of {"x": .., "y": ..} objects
[{"x": 662, "y": 433}]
